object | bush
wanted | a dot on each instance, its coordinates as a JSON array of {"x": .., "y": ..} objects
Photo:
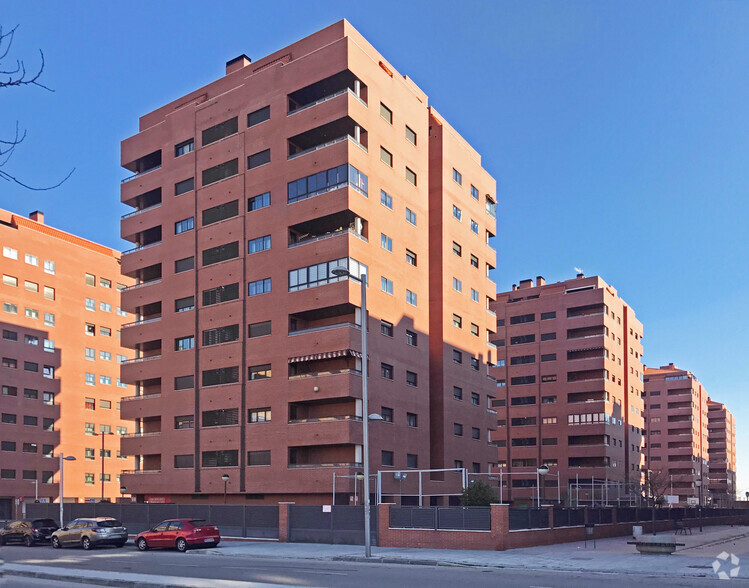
[{"x": 478, "y": 494}]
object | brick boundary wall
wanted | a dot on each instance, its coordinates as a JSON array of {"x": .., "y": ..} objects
[{"x": 501, "y": 538}]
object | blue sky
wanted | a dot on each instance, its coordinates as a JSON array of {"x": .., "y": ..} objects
[{"x": 617, "y": 133}]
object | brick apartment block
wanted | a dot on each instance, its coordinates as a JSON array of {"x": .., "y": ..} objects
[{"x": 721, "y": 437}]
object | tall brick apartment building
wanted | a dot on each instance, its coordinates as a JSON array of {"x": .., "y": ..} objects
[
  {"x": 60, "y": 350},
  {"x": 676, "y": 448},
  {"x": 721, "y": 437},
  {"x": 246, "y": 194},
  {"x": 569, "y": 383}
]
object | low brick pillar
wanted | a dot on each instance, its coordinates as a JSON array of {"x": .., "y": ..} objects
[
  {"x": 283, "y": 521},
  {"x": 550, "y": 510},
  {"x": 614, "y": 515},
  {"x": 500, "y": 525},
  {"x": 383, "y": 516}
]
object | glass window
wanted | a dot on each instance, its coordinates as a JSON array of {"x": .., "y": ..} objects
[
  {"x": 474, "y": 295},
  {"x": 49, "y": 319},
  {"x": 258, "y": 244},
  {"x": 411, "y": 378},
  {"x": 259, "y": 287},
  {"x": 411, "y": 298},
  {"x": 184, "y": 148},
  {"x": 10, "y": 253},
  {"x": 386, "y": 371},
  {"x": 386, "y": 157},
  {"x": 410, "y": 257},
  {"x": 457, "y": 285},
  {"x": 258, "y": 202},
  {"x": 184, "y": 186},
  {"x": 31, "y": 259},
  {"x": 411, "y": 338},
  {"x": 386, "y": 242},
  {"x": 474, "y": 226},
  {"x": 410, "y": 216},
  {"x": 474, "y": 192},
  {"x": 386, "y": 328},
  {"x": 386, "y": 285},
  {"x": 386, "y": 113},
  {"x": 410, "y": 135},
  {"x": 457, "y": 177},
  {"x": 410, "y": 176},
  {"x": 386, "y": 199},
  {"x": 90, "y": 280},
  {"x": 49, "y": 266},
  {"x": 10, "y": 281},
  {"x": 457, "y": 213},
  {"x": 258, "y": 159},
  {"x": 258, "y": 116},
  {"x": 184, "y": 225}
]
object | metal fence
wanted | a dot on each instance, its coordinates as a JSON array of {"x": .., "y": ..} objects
[
  {"x": 569, "y": 517},
  {"x": 529, "y": 518},
  {"x": 461, "y": 518},
  {"x": 232, "y": 521},
  {"x": 335, "y": 525}
]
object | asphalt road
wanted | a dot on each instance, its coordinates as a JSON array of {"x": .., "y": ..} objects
[{"x": 302, "y": 572}]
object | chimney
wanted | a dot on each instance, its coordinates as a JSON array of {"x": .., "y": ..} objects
[
  {"x": 580, "y": 275},
  {"x": 37, "y": 216},
  {"x": 540, "y": 281},
  {"x": 514, "y": 287},
  {"x": 526, "y": 284},
  {"x": 237, "y": 63}
]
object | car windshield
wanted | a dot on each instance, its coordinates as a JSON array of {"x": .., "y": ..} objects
[
  {"x": 109, "y": 523},
  {"x": 198, "y": 522},
  {"x": 44, "y": 523}
]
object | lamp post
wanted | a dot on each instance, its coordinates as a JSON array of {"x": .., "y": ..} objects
[
  {"x": 68, "y": 458},
  {"x": 36, "y": 489},
  {"x": 698, "y": 483},
  {"x": 102, "y": 435},
  {"x": 225, "y": 478},
  {"x": 540, "y": 472},
  {"x": 400, "y": 476},
  {"x": 362, "y": 279}
]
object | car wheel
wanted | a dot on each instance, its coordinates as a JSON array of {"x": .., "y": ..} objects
[
  {"x": 122, "y": 544},
  {"x": 56, "y": 543},
  {"x": 142, "y": 544},
  {"x": 181, "y": 545},
  {"x": 29, "y": 541},
  {"x": 86, "y": 543}
]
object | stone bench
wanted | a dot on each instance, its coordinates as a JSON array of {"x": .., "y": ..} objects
[{"x": 663, "y": 544}]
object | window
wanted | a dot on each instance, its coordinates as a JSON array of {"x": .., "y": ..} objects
[
  {"x": 549, "y": 378},
  {"x": 260, "y": 372},
  {"x": 386, "y": 328},
  {"x": 105, "y": 306},
  {"x": 386, "y": 199},
  {"x": 474, "y": 295},
  {"x": 258, "y": 329},
  {"x": 386, "y": 371},
  {"x": 184, "y": 186},
  {"x": 48, "y": 398},
  {"x": 184, "y": 461},
  {"x": 220, "y": 131},
  {"x": 412, "y": 420},
  {"x": 185, "y": 343},
  {"x": 386, "y": 113},
  {"x": 90, "y": 379},
  {"x": 474, "y": 329},
  {"x": 30, "y": 366},
  {"x": 548, "y": 336},
  {"x": 457, "y": 393},
  {"x": 184, "y": 265},
  {"x": 90, "y": 354},
  {"x": 491, "y": 207},
  {"x": 386, "y": 285},
  {"x": 184, "y": 225},
  {"x": 32, "y": 313},
  {"x": 386, "y": 157},
  {"x": 411, "y": 338},
  {"x": 49, "y": 267},
  {"x": 523, "y": 380},
  {"x": 49, "y": 346},
  {"x": 258, "y": 287},
  {"x": 322, "y": 273},
  {"x": 30, "y": 447},
  {"x": 387, "y": 414},
  {"x": 410, "y": 135},
  {"x": 522, "y": 359},
  {"x": 457, "y": 213},
  {"x": 49, "y": 319},
  {"x": 520, "y": 339},
  {"x": 184, "y": 422},
  {"x": 474, "y": 261},
  {"x": 218, "y": 376},
  {"x": 475, "y": 400},
  {"x": 475, "y": 363},
  {"x": 325, "y": 181},
  {"x": 9, "y": 363},
  {"x": 259, "y": 244},
  {"x": 457, "y": 429},
  {"x": 89, "y": 428},
  {"x": 90, "y": 304},
  {"x": 258, "y": 159},
  {"x": 258, "y": 202},
  {"x": 258, "y": 458},
  {"x": 31, "y": 286},
  {"x": 9, "y": 419},
  {"x": 31, "y": 259},
  {"x": 387, "y": 458},
  {"x": 474, "y": 227},
  {"x": 225, "y": 458},
  {"x": 475, "y": 433},
  {"x": 10, "y": 308},
  {"x": 411, "y": 297},
  {"x": 8, "y": 445},
  {"x": 457, "y": 321},
  {"x": 105, "y": 331},
  {"x": 31, "y": 339},
  {"x": 221, "y": 417},
  {"x": 258, "y": 116},
  {"x": 184, "y": 304},
  {"x": 457, "y": 356},
  {"x": 220, "y": 294},
  {"x": 410, "y": 216},
  {"x": 386, "y": 242},
  {"x": 184, "y": 148},
  {"x": 457, "y": 177},
  {"x": 220, "y": 212},
  {"x": 10, "y": 253},
  {"x": 10, "y": 391},
  {"x": 411, "y": 378},
  {"x": 105, "y": 404},
  {"x": 410, "y": 176},
  {"x": 220, "y": 253},
  {"x": 259, "y": 415},
  {"x": 184, "y": 382},
  {"x": 8, "y": 474},
  {"x": 474, "y": 192},
  {"x": 220, "y": 335},
  {"x": 104, "y": 283},
  {"x": 10, "y": 335},
  {"x": 412, "y": 460},
  {"x": 549, "y": 357},
  {"x": 220, "y": 172},
  {"x": 545, "y": 316}
]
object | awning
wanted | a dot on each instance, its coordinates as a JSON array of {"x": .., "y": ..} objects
[{"x": 326, "y": 355}]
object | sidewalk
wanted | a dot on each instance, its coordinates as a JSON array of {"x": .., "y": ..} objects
[{"x": 609, "y": 555}]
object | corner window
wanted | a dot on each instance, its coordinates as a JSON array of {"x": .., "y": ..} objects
[
  {"x": 457, "y": 177},
  {"x": 386, "y": 113},
  {"x": 410, "y": 135}
]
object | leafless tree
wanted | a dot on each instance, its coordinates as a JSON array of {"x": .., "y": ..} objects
[
  {"x": 13, "y": 76},
  {"x": 657, "y": 482}
]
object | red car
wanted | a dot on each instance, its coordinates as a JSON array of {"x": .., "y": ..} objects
[{"x": 180, "y": 533}]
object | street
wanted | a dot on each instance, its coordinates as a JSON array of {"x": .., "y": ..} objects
[{"x": 304, "y": 572}]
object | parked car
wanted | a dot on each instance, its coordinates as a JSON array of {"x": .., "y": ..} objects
[
  {"x": 90, "y": 533},
  {"x": 180, "y": 533},
  {"x": 28, "y": 531}
]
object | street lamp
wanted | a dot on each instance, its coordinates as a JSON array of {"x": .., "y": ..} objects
[
  {"x": 103, "y": 434},
  {"x": 68, "y": 458},
  {"x": 698, "y": 483},
  {"x": 340, "y": 272},
  {"x": 225, "y": 478},
  {"x": 540, "y": 472},
  {"x": 400, "y": 476}
]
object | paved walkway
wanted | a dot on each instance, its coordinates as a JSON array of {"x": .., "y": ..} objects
[{"x": 609, "y": 555}]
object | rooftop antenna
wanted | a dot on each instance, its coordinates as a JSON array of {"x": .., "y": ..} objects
[{"x": 578, "y": 270}]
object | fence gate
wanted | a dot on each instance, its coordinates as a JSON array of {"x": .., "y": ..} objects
[{"x": 338, "y": 525}]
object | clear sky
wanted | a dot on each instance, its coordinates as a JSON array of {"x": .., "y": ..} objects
[{"x": 618, "y": 133}]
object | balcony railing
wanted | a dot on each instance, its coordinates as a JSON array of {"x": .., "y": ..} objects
[
  {"x": 139, "y": 174},
  {"x": 141, "y": 247},
  {"x": 343, "y": 464},
  {"x": 328, "y": 236},
  {"x": 328, "y": 144},
  {"x": 140, "y": 397},
  {"x": 491, "y": 312},
  {"x": 151, "y": 434},
  {"x": 139, "y": 472},
  {"x": 141, "y": 322},
  {"x": 330, "y": 373},
  {"x": 326, "y": 419},
  {"x": 325, "y": 99},
  {"x": 141, "y": 285},
  {"x": 135, "y": 212},
  {"x": 141, "y": 359},
  {"x": 325, "y": 328}
]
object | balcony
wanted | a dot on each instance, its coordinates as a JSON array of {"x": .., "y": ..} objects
[
  {"x": 142, "y": 285},
  {"x": 332, "y": 225},
  {"x": 140, "y": 472},
  {"x": 143, "y": 165},
  {"x": 587, "y": 310},
  {"x": 326, "y": 135},
  {"x": 140, "y": 359},
  {"x": 327, "y": 89},
  {"x": 325, "y": 456},
  {"x": 141, "y": 322}
]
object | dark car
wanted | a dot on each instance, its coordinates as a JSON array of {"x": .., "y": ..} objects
[
  {"x": 179, "y": 533},
  {"x": 28, "y": 531},
  {"x": 90, "y": 533}
]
